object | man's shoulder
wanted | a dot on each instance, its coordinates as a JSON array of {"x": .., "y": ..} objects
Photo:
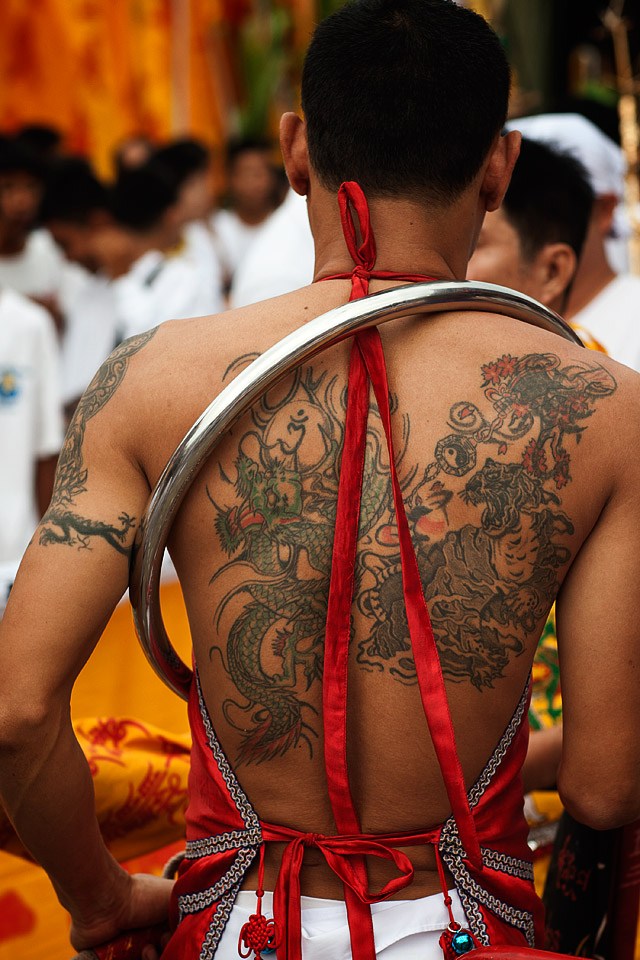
[
  {"x": 576, "y": 368},
  {"x": 258, "y": 325}
]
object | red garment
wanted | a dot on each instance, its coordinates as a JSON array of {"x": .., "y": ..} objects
[{"x": 484, "y": 841}]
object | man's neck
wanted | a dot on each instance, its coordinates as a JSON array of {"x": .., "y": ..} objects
[
  {"x": 12, "y": 241},
  {"x": 253, "y": 216},
  {"x": 121, "y": 248},
  {"x": 410, "y": 239},
  {"x": 594, "y": 274}
]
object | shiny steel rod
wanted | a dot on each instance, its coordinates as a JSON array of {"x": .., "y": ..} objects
[{"x": 248, "y": 386}]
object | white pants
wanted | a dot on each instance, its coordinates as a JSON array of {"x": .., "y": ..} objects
[{"x": 403, "y": 929}]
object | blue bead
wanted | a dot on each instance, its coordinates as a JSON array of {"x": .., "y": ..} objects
[
  {"x": 266, "y": 951},
  {"x": 462, "y": 942}
]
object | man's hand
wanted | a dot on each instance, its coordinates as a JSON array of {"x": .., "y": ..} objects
[{"x": 141, "y": 901}]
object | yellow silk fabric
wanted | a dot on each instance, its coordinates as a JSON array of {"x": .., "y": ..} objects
[
  {"x": 140, "y": 769},
  {"x": 102, "y": 70}
]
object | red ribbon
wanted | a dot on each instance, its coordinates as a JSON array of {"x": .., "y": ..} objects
[
  {"x": 367, "y": 365},
  {"x": 343, "y": 854}
]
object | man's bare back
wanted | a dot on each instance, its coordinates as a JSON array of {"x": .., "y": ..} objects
[
  {"x": 517, "y": 454},
  {"x": 500, "y": 430}
]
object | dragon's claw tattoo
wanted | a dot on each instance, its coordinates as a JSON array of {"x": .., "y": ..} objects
[
  {"x": 60, "y": 524},
  {"x": 72, "y": 530}
]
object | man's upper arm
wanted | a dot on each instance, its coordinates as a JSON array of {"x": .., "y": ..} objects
[
  {"x": 76, "y": 567},
  {"x": 599, "y": 645}
]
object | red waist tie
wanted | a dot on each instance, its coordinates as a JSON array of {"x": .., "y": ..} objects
[
  {"x": 345, "y": 854},
  {"x": 341, "y": 854}
]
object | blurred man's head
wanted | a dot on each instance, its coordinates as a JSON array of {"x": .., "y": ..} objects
[
  {"x": 42, "y": 139},
  {"x": 188, "y": 161},
  {"x": 605, "y": 165},
  {"x": 21, "y": 185},
  {"x": 74, "y": 208},
  {"x": 534, "y": 241},
  {"x": 145, "y": 200},
  {"x": 132, "y": 152},
  {"x": 252, "y": 181},
  {"x": 102, "y": 228},
  {"x": 406, "y": 97},
  {"x": 602, "y": 159}
]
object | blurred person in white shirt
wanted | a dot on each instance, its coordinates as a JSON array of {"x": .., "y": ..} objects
[
  {"x": 281, "y": 257},
  {"x": 189, "y": 163},
  {"x": 129, "y": 236},
  {"x": 29, "y": 260},
  {"x": 75, "y": 204},
  {"x": 155, "y": 279},
  {"x": 30, "y": 425},
  {"x": 252, "y": 196},
  {"x": 602, "y": 301}
]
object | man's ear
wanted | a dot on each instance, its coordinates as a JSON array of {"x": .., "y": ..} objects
[
  {"x": 293, "y": 143},
  {"x": 554, "y": 268},
  {"x": 499, "y": 167}
]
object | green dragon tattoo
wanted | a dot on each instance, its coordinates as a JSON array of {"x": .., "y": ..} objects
[
  {"x": 60, "y": 524},
  {"x": 488, "y": 582}
]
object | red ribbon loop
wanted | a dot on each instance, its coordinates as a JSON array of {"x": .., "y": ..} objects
[{"x": 350, "y": 196}]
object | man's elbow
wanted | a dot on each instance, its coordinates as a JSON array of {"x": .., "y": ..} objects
[
  {"x": 24, "y": 724},
  {"x": 601, "y": 805}
]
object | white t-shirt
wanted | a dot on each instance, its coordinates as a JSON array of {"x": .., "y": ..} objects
[
  {"x": 90, "y": 332},
  {"x": 37, "y": 271},
  {"x": 159, "y": 288},
  {"x": 613, "y": 318},
  {"x": 30, "y": 418},
  {"x": 200, "y": 248},
  {"x": 234, "y": 237},
  {"x": 281, "y": 259}
]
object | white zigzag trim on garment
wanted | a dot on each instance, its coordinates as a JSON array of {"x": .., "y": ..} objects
[
  {"x": 218, "y": 924},
  {"x": 498, "y": 754},
  {"x": 520, "y": 919},
  {"x": 221, "y": 842},
  {"x": 502, "y": 862},
  {"x": 236, "y": 792},
  {"x": 195, "y": 902},
  {"x": 247, "y": 842},
  {"x": 452, "y": 851}
]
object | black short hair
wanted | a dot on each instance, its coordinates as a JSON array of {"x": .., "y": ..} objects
[
  {"x": 241, "y": 145},
  {"x": 141, "y": 196},
  {"x": 549, "y": 199},
  {"x": 73, "y": 192},
  {"x": 183, "y": 158},
  {"x": 41, "y": 138},
  {"x": 17, "y": 157},
  {"x": 404, "y": 96}
]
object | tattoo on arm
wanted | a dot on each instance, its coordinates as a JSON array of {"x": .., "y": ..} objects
[
  {"x": 489, "y": 579},
  {"x": 61, "y": 524}
]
